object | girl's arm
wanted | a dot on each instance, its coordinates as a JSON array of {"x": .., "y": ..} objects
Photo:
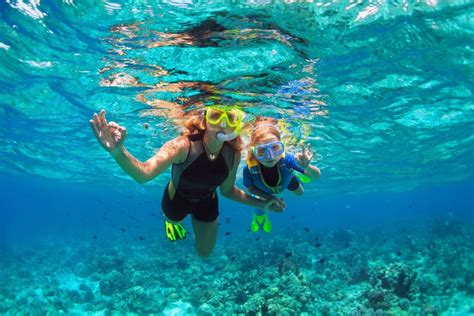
[
  {"x": 312, "y": 171},
  {"x": 229, "y": 190},
  {"x": 303, "y": 158},
  {"x": 259, "y": 193}
]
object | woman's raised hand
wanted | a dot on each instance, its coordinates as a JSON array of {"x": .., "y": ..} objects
[{"x": 110, "y": 135}]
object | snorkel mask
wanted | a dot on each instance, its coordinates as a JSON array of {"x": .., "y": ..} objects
[
  {"x": 225, "y": 116},
  {"x": 269, "y": 151}
]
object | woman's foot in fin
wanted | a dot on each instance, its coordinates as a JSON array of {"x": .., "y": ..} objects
[{"x": 174, "y": 231}]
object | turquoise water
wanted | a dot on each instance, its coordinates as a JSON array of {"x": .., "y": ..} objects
[{"x": 382, "y": 91}]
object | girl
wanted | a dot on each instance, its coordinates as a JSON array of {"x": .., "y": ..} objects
[{"x": 269, "y": 168}]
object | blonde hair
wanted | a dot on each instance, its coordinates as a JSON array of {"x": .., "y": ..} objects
[
  {"x": 262, "y": 127},
  {"x": 196, "y": 124}
]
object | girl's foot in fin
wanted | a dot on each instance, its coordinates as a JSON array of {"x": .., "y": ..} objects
[
  {"x": 267, "y": 225},
  {"x": 257, "y": 220}
]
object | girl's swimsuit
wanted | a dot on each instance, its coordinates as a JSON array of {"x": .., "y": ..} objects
[
  {"x": 196, "y": 180},
  {"x": 275, "y": 179}
]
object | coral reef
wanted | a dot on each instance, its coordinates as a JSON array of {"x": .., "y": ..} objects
[{"x": 341, "y": 273}]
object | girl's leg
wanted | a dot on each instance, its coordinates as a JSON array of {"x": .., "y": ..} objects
[{"x": 206, "y": 235}]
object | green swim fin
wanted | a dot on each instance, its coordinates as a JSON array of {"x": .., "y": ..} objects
[
  {"x": 257, "y": 220},
  {"x": 261, "y": 220},
  {"x": 303, "y": 178},
  {"x": 174, "y": 231},
  {"x": 267, "y": 225}
]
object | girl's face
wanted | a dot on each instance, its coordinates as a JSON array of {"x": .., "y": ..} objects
[{"x": 266, "y": 140}]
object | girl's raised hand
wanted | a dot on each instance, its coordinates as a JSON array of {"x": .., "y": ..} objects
[{"x": 305, "y": 156}]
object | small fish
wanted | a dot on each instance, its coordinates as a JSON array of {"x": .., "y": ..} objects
[
  {"x": 317, "y": 245},
  {"x": 99, "y": 201},
  {"x": 322, "y": 260},
  {"x": 257, "y": 239},
  {"x": 316, "y": 238},
  {"x": 141, "y": 238},
  {"x": 227, "y": 233},
  {"x": 306, "y": 229},
  {"x": 346, "y": 244},
  {"x": 288, "y": 254},
  {"x": 23, "y": 261},
  {"x": 399, "y": 253},
  {"x": 146, "y": 125},
  {"x": 123, "y": 229},
  {"x": 94, "y": 237},
  {"x": 293, "y": 217}
]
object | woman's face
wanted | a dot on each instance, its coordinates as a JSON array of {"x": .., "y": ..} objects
[
  {"x": 223, "y": 120},
  {"x": 269, "y": 138}
]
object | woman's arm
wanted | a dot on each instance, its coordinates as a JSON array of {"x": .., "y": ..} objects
[
  {"x": 173, "y": 151},
  {"x": 229, "y": 190},
  {"x": 111, "y": 137}
]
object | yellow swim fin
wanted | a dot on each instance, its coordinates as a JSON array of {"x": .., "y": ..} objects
[{"x": 174, "y": 231}]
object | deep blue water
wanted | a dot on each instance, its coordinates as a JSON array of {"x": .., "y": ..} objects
[{"x": 41, "y": 208}]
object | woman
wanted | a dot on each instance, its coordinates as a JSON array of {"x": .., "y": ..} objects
[
  {"x": 269, "y": 168},
  {"x": 204, "y": 157}
]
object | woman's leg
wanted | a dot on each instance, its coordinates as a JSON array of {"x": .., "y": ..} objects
[
  {"x": 174, "y": 210},
  {"x": 206, "y": 235}
]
